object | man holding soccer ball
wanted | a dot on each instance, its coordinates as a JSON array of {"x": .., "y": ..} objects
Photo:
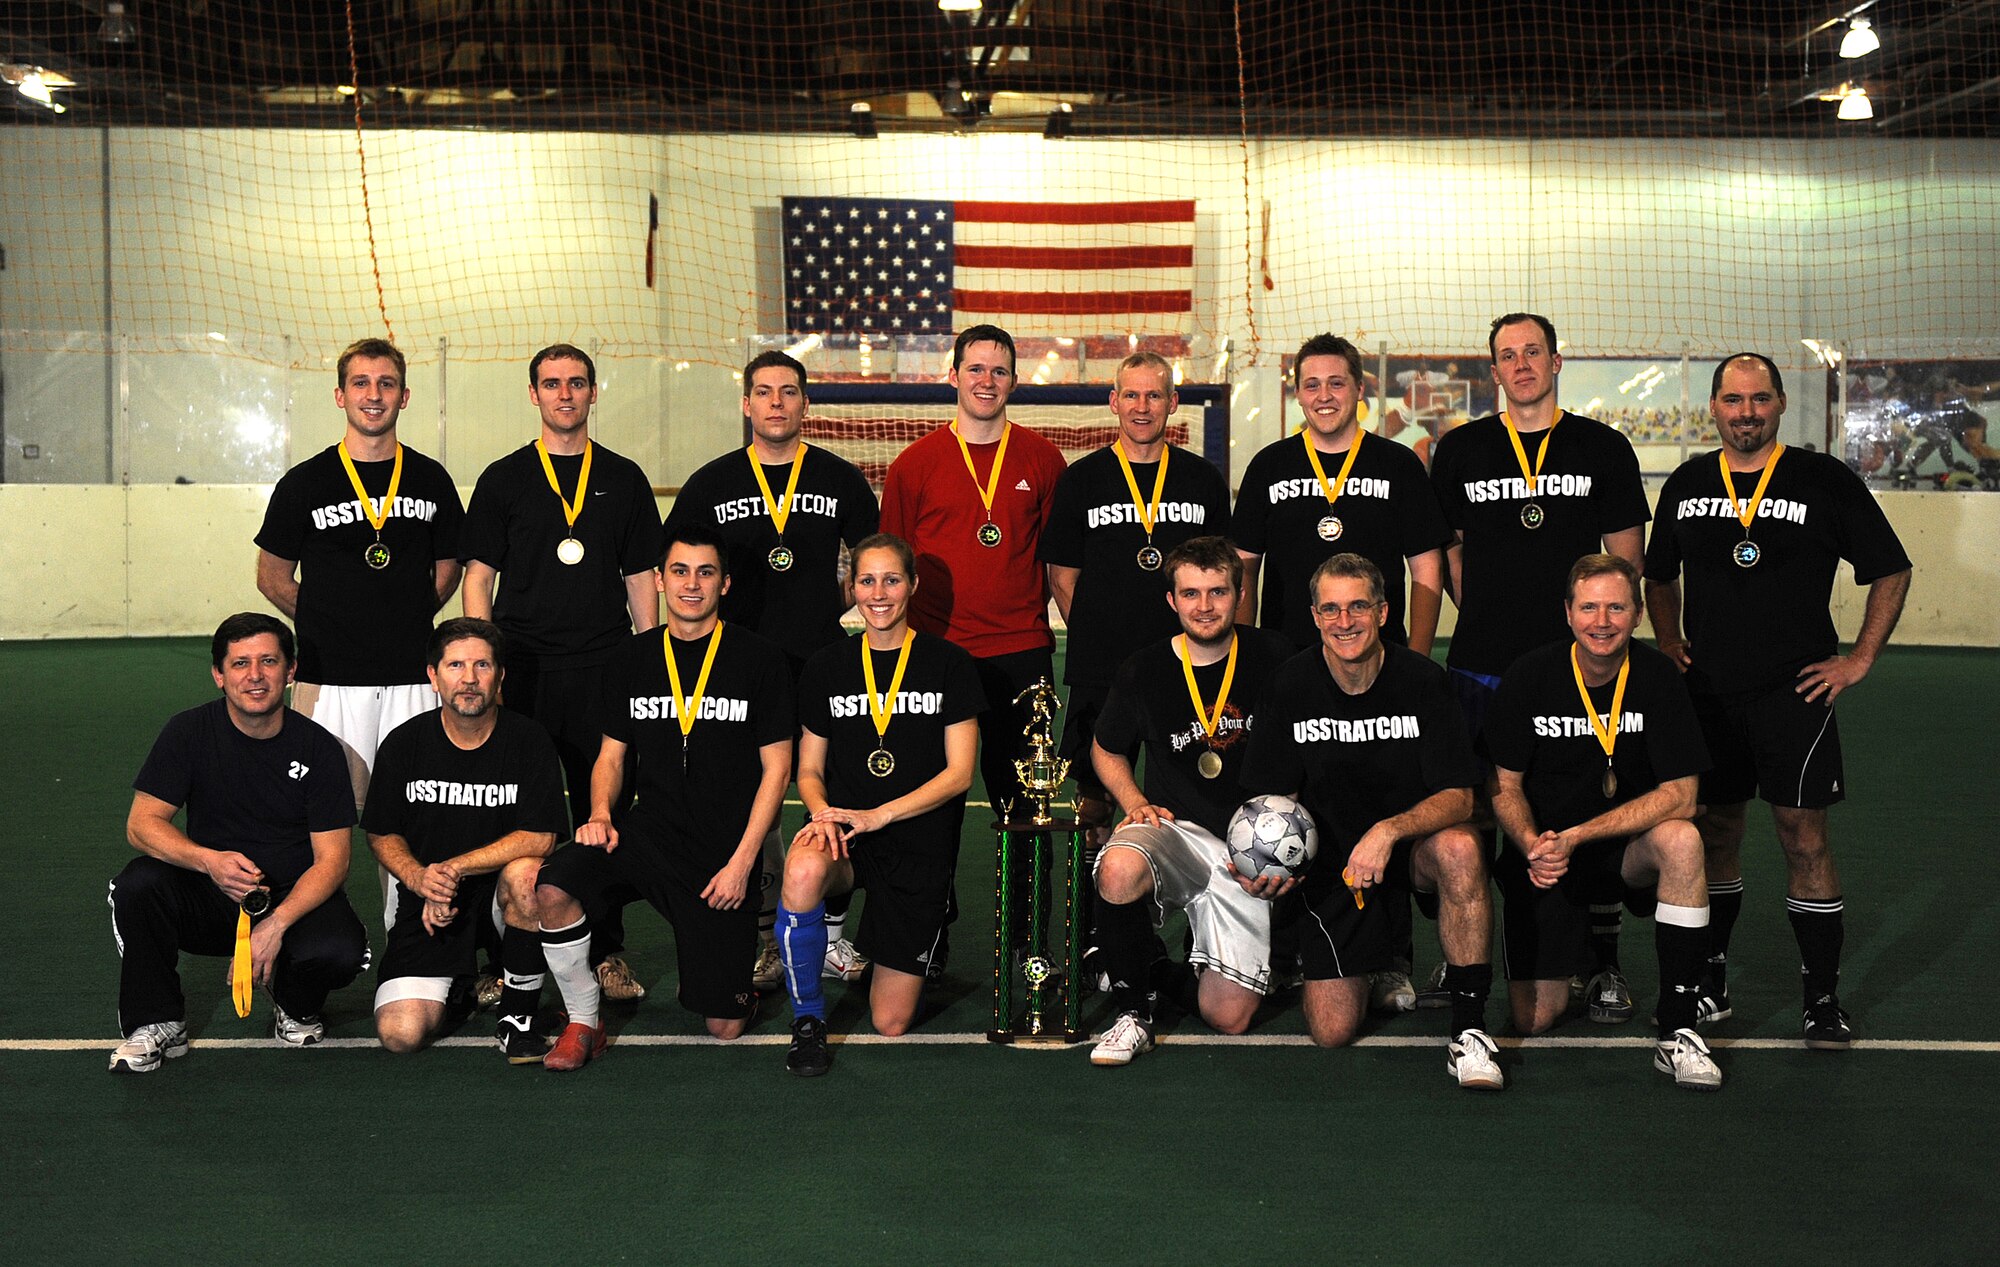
[
  {"x": 1369, "y": 739},
  {"x": 1186, "y": 701}
]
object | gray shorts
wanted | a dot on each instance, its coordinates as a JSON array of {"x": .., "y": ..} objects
[{"x": 1232, "y": 930}]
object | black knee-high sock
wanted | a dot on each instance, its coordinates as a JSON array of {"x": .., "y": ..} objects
[
  {"x": 1124, "y": 932},
  {"x": 1177, "y": 983},
  {"x": 1725, "y": 903},
  {"x": 521, "y": 973},
  {"x": 1680, "y": 939},
  {"x": 1468, "y": 984},
  {"x": 1817, "y": 925},
  {"x": 1606, "y": 919}
]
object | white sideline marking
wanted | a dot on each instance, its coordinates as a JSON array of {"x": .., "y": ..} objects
[{"x": 979, "y": 1040}]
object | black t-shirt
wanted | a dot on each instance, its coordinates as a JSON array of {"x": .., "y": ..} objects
[
  {"x": 444, "y": 800},
  {"x": 1149, "y": 709},
  {"x": 1753, "y": 628},
  {"x": 1119, "y": 606},
  {"x": 1387, "y": 513},
  {"x": 562, "y": 614},
  {"x": 1512, "y": 576},
  {"x": 1536, "y": 726},
  {"x": 358, "y": 626},
  {"x": 703, "y": 805},
  {"x": 799, "y": 608},
  {"x": 1354, "y": 760},
  {"x": 940, "y": 687},
  {"x": 262, "y": 798}
]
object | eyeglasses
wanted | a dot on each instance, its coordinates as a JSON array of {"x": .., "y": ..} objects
[{"x": 1355, "y": 610}]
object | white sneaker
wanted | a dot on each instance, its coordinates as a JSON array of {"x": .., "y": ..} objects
[
  {"x": 1470, "y": 1059},
  {"x": 843, "y": 962},
  {"x": 1391, "y": 992},
  {"x": 769, "y": 970},
  {"x": 303, "y": 1032},
  {"x": 1686, "y": 1057},
  {"x": 144, "y": 1049},
  {"x": 1128, "y": 1037}
]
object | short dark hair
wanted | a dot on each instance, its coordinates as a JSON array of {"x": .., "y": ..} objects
[
  {"x": 693, "y": 534},
  {"x": 1770, "y": 366},
  {"x": 982, "y": 334},
  {"x": 1595, "y": 565},
  {"x": 458, "y": 629},
  {"x": 773, "y": 359},
  {"x": 249, "y": 625},
  {"x": 372, "y": 348},
  {"x": 1329, "y": 345},
  {"x": 1515, "y": 318},
  {"x": 1351, "y": 567},
  {"x": 1205, "y": 554},
  {"x": 561, "y": 352},
  {"x": 889, "y": 541}
]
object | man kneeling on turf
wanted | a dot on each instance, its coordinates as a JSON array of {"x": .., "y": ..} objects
[
  {"x": 706, "y": 708},
  {"x": 268, "y": 807},
  {"x": 467, "y": 801},
  {"x": 1597, "y": 751},
  {"x": 1187, "y": 703}
]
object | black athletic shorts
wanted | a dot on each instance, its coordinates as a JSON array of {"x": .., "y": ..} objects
[
  {"x": 453, "y": 951},
  {"x": 1079, "y": 728},
  {"x": 1545, "y": 933},
  {"x": 714, "y": 950},
  {"x": 1777, "y": 745},
  {"x": 908, "y": 892},
  {"x": 1339, "y": 939},
  {"x": 1474, "y": 692}
]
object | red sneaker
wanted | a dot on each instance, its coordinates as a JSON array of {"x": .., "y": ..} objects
[{"x": 578, "y": 1046}]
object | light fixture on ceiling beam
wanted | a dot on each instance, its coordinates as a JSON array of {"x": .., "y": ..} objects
[
  {"x": 117, "y": 29},
  {"x": 861, "y": 120},
  {"x": 36, "y": 84},
  {"x": 1860, "y": 39},
  {"x": 959, "y": 6},
  {"x": 1855, "y": 106}
]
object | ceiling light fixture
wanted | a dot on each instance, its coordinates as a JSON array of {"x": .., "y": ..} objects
[
  {"x": 959, "y": 6},
  {"x": 1855, "y": 106},
  {"x": 117, "y": 29},
  {"x": 1860, "y": 39}
]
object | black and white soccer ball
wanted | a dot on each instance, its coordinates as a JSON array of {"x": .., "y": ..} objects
[{"x": 1272, "y": 835}]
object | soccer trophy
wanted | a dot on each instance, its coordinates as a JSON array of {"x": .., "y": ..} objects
[{"x": 1023, "y": 928}]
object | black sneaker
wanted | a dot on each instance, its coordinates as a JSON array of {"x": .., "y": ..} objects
[
  {"x": 809, "y": 1056},
  {"x": 940, "y": 956},
  {"x": 1826, "y": 1025},
  {"x": 521, "y": 1046}
]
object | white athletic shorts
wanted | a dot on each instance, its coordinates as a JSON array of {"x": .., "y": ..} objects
[
  {"x": 361, "y": 717},
  {"x": 1232, "y": 930}
]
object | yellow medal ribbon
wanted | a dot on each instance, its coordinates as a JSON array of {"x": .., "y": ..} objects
[
  {"x": 885, "y": 710},
  {"x": 1209, "y": 718},
  {"x": 1532, "y": 475},
  {"x": 992, "y": 483},
  {"x": 687, "y": 707},
  {"x": 1746, "y": 512},
  {"x": 1607, "y": 736},
  {"x": 239, "y": 966},
  {"x": 1147, "y": 513},
  {"x": 375, "y": 520},
  {"x": 1332, "y": 490},
  {"x": 570, "y": 511},
  {"x": 780, "y": 511}
]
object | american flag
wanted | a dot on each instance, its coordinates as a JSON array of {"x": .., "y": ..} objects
[{"x": 902, "y": 266}]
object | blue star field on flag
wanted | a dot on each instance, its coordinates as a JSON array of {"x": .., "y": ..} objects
[{"x": 867, "y": 266}]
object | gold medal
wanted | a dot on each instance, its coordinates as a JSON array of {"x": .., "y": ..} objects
[
  {"x": 1149, "y": 558},
  {"x": 1149, "y": 512},
  {"x": 1330, "y": 527},
  {"x": 376, "y": 555},
  {"x": 780, "y": 558},
  {"x": 570, "y": 551},
  {"x": 1209, "y": 763},
  {"x": 1532, "y": 515},
  {"x": 1606, "y": 729},
  {"x": 989, "y": 534},
  {"x": 1747, "y": 553},
  {"x": 685, "y": 708},
  {"x": 881, "y": 763},
  {"x": 1610, "y": 782}
]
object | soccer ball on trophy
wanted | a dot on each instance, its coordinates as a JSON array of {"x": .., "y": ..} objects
[{"x": 1272, "y": 835}]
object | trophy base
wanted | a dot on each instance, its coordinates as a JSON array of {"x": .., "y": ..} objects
[
  {"x": 1064, "y": 825},
  {"x": 1048, "y": 1038}
]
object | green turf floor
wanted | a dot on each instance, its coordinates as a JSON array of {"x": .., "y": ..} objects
[{"x": 968, "y": 1153}]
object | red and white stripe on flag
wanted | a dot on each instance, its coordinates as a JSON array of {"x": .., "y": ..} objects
[{"x": 1101, "y": 265}]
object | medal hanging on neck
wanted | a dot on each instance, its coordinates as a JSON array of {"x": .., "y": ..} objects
[
  {"x": 1330, "y": 528},
  {"x": 1209, "y": 764},
  {"x": 1149, "y": 513},
  {"x": 1606, "y": 729},
  {"x": 375, "y": 555},
  {"x": 989, "y": 534},
  {"x": 686, "y": 708},
  {"x": 882, "y": 762},
  {"x": 780, "y": 558},
  {"x": 1532, "y": 514},
  {"x": 1747, "y": 553},
  {"x": 569, "y": 550}
]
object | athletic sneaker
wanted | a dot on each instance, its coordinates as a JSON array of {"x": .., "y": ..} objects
[
  {"x": 521, "y": 1046},
  {"x": 1434, "y": 994},
  {"x": 1128, "y": 1037},
  {"x": 305, "y": 1031},
  {"x": 614, "y": 977},
  {"x": 843, "y": 962},
  {"x": 1712, "y": 1006},
  {"x": 1095, "y": 978},
  {"x": 486, "y": 991},
  {"x": 1470, "y": 1059},
  {"x": 940, "y": 956},
  {"x": 1826, "y": 1025},
  {"x": 1391, "y": 992},
  {"x": 1610, "y": 998},
  {"x": 769, "y": 970},
  {"x": 1685, "y": 1057},
  {"x": 578, "y": 1046},
  {"x": 144, "y": 1049},
  {"x": 809, "y": 1056}
]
